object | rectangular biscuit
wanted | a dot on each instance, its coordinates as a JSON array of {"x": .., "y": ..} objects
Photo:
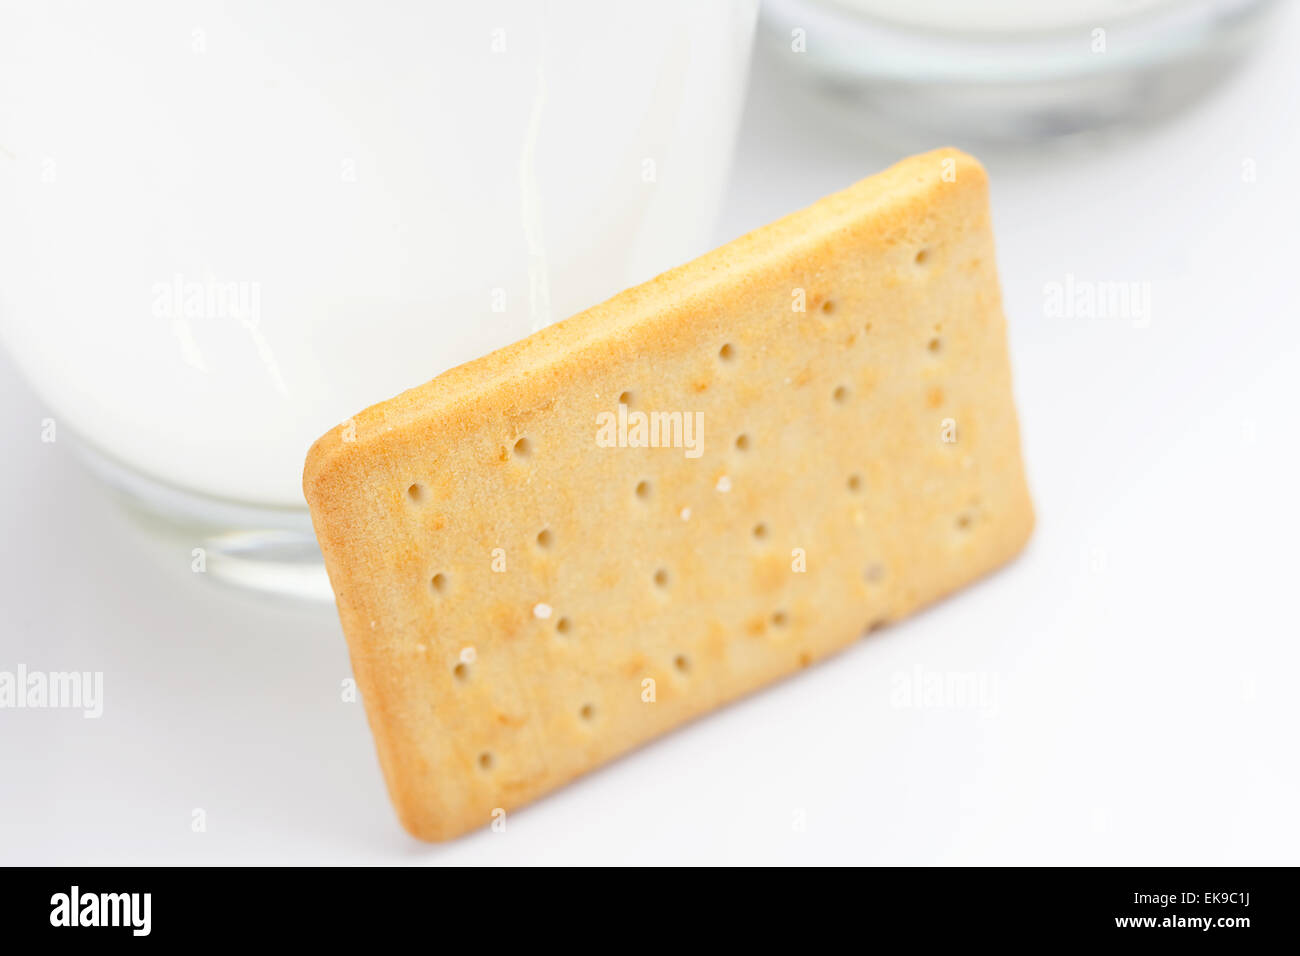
[{"x": 527, "y": 591}]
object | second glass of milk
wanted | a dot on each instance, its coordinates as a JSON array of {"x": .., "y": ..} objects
[
  {"x": 1006, "y": 71},
  {"x": 227, "y": 227}
]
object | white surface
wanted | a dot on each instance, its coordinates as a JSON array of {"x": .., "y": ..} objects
[{"x": 1139, "y": 659}]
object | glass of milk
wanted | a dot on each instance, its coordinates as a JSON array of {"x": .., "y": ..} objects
[
  {"x": 1015, "y": 71},
  {"x": 226, "y": 227}
]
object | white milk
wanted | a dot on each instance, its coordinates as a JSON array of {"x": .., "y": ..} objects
[
  {"x": 228, "y": 226},
  {"x": 1004, "y": 16}
]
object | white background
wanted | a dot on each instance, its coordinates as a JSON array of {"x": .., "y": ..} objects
[{"x": 1138, "y": 663}]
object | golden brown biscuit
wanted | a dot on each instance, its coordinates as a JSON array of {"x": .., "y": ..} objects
[{"x": 527, "y": 594}]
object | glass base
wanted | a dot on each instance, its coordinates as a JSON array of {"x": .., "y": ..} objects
[
  {"x": 270, "y": 550},
  {"x": 1000, "y": 88}
]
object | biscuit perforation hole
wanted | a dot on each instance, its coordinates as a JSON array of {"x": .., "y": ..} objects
[
  {"x": 922, "y": 256},
  {"x": 841, "y": 394},
  {"x": 486, "y": 760},
  {"x": 461, "y": 672},
  {"x": 854, "y": 483},
  {"x": 935, "y": 345},
  {"x": 875, "y": 573},
  {"x": 742, "y": 443},
  {"x": 828, "y": 306},
  {"x": 682, "y": 664},
  {"x": 416, "y": 493},
  {"x": 661, "y": 578},
  {"x": 564, "y": 625},
  {"x": 727, "y": 353},
  {"x": 643, "y": 489},
  {"x": 523, "y": 448},
  {"x": 439, "y": 583},
  {"x": 625, "y": 398},
  {"x": 587, "y": 712},
  {"x": 780, "y": 619},
  {"x": 545, "y": 538},
  {"x": 760, "y": 531}
]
